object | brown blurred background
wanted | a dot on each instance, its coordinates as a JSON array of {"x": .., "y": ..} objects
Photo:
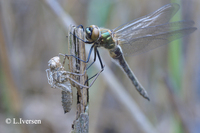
[{"x": 31, "y": 33}]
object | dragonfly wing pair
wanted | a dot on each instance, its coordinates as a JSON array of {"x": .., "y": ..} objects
[{"x": 152, "y": 31}]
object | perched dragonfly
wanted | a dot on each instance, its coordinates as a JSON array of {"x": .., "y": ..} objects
[
  {"x": 137, "y": 36},
  {"x": 60, "y": 79}
]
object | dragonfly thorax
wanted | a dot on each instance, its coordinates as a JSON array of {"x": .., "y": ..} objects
[
  {"x": 92, "y": 33},
  {"x": 102, "y": 37}
]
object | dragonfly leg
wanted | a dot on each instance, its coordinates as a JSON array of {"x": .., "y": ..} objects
[
  {"x": 93, "y": 60},
  {"x": 102, "y": 66},
  {"x": 80, "y": 26},
  {"x": 96, "y": 52},
  {"x": 95, "y": 77},
  {"x": 81, "y": 85},
  {"x": 82, "y": 39},
  {"x": 81, "y": 59}
]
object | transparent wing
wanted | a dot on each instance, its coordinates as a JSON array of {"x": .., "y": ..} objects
[
  {"x": 161, "y": 16},
  {"x": 145, "y": 39}
]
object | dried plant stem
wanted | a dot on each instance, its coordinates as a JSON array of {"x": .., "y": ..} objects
[{"x": 77, "y": 48}]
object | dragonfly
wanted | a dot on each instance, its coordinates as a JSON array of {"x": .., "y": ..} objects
[
  {"x": 137, "y": 36},
  {"x": 60, "y": 79}
]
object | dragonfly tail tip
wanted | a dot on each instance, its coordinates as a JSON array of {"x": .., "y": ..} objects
[{"x": 148, "y": 99}]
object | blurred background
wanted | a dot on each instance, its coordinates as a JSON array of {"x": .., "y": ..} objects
[{"x": 32, "y": 32}]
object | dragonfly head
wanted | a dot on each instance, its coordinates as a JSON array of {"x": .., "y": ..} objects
[{"x": 92, "y": 33}]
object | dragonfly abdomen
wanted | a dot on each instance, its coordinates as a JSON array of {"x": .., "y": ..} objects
[{"x": 119, "y": 58}]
